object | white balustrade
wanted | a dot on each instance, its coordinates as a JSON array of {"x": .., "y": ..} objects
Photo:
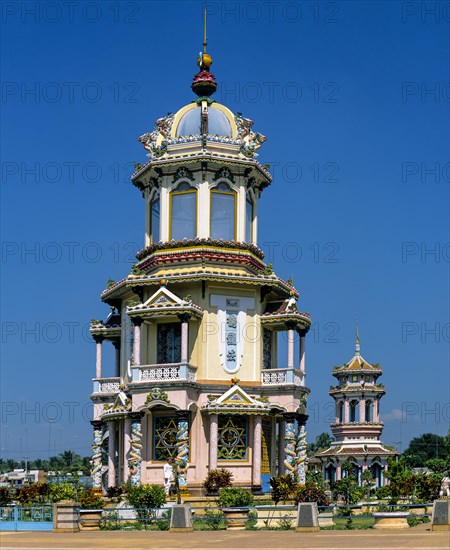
[
  {"x": 164, "y": 373},
  {"x": 107, "y": 385},
  {"x": 276, "y": 377}
]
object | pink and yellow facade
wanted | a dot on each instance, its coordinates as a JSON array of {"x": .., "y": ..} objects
[{"x": 196, "y": 324}]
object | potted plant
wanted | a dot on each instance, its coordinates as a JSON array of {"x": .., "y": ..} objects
[
  {"x": 91, "y": 505},
  {"x": 216, "y": 480},
  {"x": 235, "y": 503}
]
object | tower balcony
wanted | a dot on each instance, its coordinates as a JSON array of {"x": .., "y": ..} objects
[
  {"x": 282, "y": 377},
  {"x": 106, "y": 386},
  {"x": 165, "y": 372}
]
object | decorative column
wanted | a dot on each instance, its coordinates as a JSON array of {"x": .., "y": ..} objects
[
  {"x": 112, "y": 453},
  {"x": 213, "y": 440},
  {"x": 346, "y": 410},
  {"x": 96, "y": 461},
  {"x": 302, "y": 360},
  {"x": 273, "y": 446},
  {"x": 290, "y": 443},
  {"x": 117, "y": 357},
  {"x": 301, "y": 448},
  {"x": 134, "y": 462},
  {"x": 126, "y": 449},
  {"x": 182, "y": 446},
  {"x": 281, "y": 439},
  {"x": 290, "y": 354},
  {"x": 376, "y": 411},
  {"x": 184, "y": 318},
  {"x": 137, "y": 321},
  {"x": 256, "y": 454},
  {"x": 362, "y": 409},
  {"x": 98, "y": 355},
  {"x": 338, "y": 470}
]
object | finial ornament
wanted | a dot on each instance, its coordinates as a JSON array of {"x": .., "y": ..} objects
[
  {"x": 204, "y": 83},
  {"x": 357, "y": 346}
]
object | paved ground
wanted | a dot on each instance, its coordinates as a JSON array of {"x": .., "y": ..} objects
[{"x": 417, "y": 538}]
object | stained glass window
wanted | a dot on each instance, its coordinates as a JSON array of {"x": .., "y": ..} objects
[
  {"x": 164, "y": 437},
  {"x": 233, "y": 437},
  {"x": 169, "y": 343}
]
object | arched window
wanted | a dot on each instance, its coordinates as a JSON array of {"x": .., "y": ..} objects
[
  {"x": 154, "y": 220},
  {"x": 353, "y": 407},
  {"x": 183, "y": 212},
  {"x": 369, "y": 411},
  {"x": 249, "y": 220},
  {"x": 340, "y": 410},
  {"x": 223, "y": 213}
]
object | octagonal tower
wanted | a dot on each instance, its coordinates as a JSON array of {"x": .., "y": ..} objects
[{"x": 196, "y": 323}]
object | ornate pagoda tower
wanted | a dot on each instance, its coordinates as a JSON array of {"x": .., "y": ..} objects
[
  {"x": 196, "y": 324},
  {"x": 357, "y": 427}
]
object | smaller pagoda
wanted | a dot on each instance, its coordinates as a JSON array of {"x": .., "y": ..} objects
[{"x": 357, "y": 427}]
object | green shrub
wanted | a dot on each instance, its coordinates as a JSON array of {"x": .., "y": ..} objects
[
  {"x": 145, "y": 498},
  {"x": 217, "y": 479},
  {"x": 62, "y": 491},
  {"x": 6, "y": 496},
  {"x": 237, "y": 497},
  {"x": 110, "y": 521},
  {"x": 283, "y": 487},
  {"x": 213, "y": 519},
  {"x": 89, "y": 500},
  {"x": 114, "y": 492},
  {"x": 311, "y": 492}
]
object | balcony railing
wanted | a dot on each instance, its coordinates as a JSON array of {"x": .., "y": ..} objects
[
  {"x": 106, "y": 385},
  {"x": 168, "y": 372},
  {"x": 278, "y": 377}
]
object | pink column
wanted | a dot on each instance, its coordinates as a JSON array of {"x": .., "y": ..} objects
[
  {"x": 112, "y": 454},
  {"x": 302, "y": 362},
  {"x": 126, "y": 449},
  {"x": 290, "y": 354},
  {"x": 117, "y": 361},
  {"x": 375, "y": 411},
  {"x": 338, "y": 471},
  {"x": 281, "y": 442},
  {"x": 213, "y": 440},
  {"x": 98, "y": 356},
  {"x": 184, "y": 318},
  {"x": 257, "y": 442},
  {"x": 362, "y": 409},
  {"x": 137, "y": 341},
  {"x": 346, "y": 410}
]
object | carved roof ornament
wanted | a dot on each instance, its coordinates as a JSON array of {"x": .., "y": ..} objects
[
  {"x": 183, "y": 173},
  {"x": 224, "y": 172}
]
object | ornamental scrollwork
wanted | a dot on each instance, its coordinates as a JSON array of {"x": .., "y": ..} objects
[
  {"x": 224, "y": 172},
  {"x": 184, "y": 173},
  {"x": 157, "y": 394}
]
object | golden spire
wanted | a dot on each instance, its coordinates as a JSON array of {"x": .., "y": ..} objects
[
  {"x": 204, "y": 60},
  {"x": 205, "y": 40}
]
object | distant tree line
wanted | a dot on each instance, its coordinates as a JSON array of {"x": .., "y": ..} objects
[{"x": 67, "y": 462}]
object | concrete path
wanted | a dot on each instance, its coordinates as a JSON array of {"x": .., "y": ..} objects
[{"x": 417, "y": 538}]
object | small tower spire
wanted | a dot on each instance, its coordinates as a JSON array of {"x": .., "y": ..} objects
[
  {"x": 205, "y": 40},
  {"x": 204, "y": 83},
  {"x": 357, "y": 346}
]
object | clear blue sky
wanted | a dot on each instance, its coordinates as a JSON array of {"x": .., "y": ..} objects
[{"x": 344, "y": 92}]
